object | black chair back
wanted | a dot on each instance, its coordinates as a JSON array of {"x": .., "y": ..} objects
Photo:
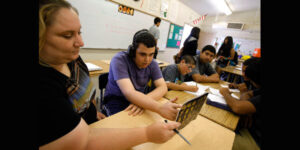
[{"x": 103, "y": 78}]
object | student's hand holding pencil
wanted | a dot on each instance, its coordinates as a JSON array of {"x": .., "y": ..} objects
[{"x": 161, "y": 132}]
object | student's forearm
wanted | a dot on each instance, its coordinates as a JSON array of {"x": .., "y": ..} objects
[
  {"x": 231, "y": 101},
  {"x": 202, "y": 78},
  {"x": 174, "y": 86},
  {"x": 158, "y": 92},
  {"x": 115, "y": 139},
  {"x": 214, "y": 78},
  {"x": 241, "y": 106},
  {"x": 144, "y": 101}
]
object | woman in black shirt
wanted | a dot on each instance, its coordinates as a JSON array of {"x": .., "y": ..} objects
[
  {"x": 190, "y": 45},
  {"x": 225, "y": 53}
]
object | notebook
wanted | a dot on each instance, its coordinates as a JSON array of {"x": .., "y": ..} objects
[
  {"x": 93, "y": 67},
  {"x": 218, "y": 101},
  {"x": 190, "y": 110}
]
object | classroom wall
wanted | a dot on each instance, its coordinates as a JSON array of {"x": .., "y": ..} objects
[
  {"x": 248, "y": 38},
  {"x": 177, "y": 12},
  {"x": 102, "y": 54}
]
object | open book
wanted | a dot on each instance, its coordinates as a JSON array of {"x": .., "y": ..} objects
[{"x": 216, "y": 99}]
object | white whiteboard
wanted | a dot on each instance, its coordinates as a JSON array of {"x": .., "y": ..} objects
[{"x": 102, "y": 26}]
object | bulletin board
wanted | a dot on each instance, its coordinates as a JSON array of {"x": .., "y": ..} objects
[{"x": 174, "y": 36}]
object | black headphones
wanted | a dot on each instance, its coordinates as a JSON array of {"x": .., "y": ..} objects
[{"x": 132, "y": 48}]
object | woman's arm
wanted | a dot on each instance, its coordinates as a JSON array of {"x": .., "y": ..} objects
[{"x": 82, "y": 137}]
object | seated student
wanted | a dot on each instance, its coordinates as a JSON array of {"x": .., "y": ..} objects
[
  {"x": 246, "y": 85},
  {"x": 204, "y": 72},
  {"x": 60, "y": 125},
  {"x": 174, "y": 74},
  {"x": 250, "y": 105},
  {"x": 129, "y": 74}
]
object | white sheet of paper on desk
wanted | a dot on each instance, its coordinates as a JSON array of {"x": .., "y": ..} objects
[
  {"x": 238, "y": 69},
  {"x": 234, "y": 90},
  {"x": 224, "y": 86},
  {"x": 217, "y": 99},
  {"x": 93, "y": 67},
  {"x": 201, "y": 88},
  {"x": 235, "y": 96},
  {"x": 215, "y": 92}
]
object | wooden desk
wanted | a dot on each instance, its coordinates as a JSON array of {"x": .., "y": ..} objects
[
  {"x": 201, "y": 132},
  {"x": 100, "y": 63},
  {"x": 232, "y": 70},
  {"x": 218, "y": 115}
]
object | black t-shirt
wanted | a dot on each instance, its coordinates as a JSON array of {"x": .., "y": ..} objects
[
  {"x": 56, "y": 116},
  {"x": 190, "y": 46},
  {"x": 256, "y": 128}
]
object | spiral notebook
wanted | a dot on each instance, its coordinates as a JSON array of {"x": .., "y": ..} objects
[{"x": 190, "y": 110}]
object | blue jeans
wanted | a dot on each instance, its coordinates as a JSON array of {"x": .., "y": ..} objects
[{"x": 114, "y": 104}]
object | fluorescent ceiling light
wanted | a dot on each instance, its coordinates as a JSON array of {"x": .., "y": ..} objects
[
  {"x": 219, "y": 25},
  {"x": 222, "y": 6}
]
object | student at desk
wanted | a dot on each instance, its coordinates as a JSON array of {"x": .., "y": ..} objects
[
  {"x": 249, "y": 106},
  {"x": 246, "y": 85},
  {"x": 130, "y": 74},
  {"x": 204, "y": 72},
  {"x": 63, "y": 78},
  {"x": 174, "y": 74}
]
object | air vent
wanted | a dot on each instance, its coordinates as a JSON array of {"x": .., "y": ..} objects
[{"x": 235, "y": 26}]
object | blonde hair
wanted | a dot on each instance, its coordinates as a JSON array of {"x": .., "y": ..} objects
[{"x": 47, "y": 11}]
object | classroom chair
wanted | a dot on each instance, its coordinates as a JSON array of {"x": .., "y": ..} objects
[{"x": 103, "y": 78}]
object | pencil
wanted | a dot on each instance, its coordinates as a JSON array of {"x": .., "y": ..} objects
[{"x": 177, "y": 132}]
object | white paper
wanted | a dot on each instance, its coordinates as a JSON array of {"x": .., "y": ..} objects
[
  {"x": 176, "y": 36},
  {"x": 170, "y": 35},
  {"x": 238, "y": 69},
  {"x": 93, "y": 67},
  {"x": 215, "y": 92},
  {"x": 217, "y": 99},
  {"x": 224, "y": 86},
  {"x": 172, "y": 28},
  {"x": 201, "y": 88},
  {"x": 234, "y": 90},
  {"x": 235, "y": 96}
]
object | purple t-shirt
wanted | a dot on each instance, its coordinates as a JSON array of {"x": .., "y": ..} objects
[{"x": 121, "y": 66}]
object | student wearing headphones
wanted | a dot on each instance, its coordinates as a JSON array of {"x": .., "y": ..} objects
[{"x": 129, "y": 75}]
